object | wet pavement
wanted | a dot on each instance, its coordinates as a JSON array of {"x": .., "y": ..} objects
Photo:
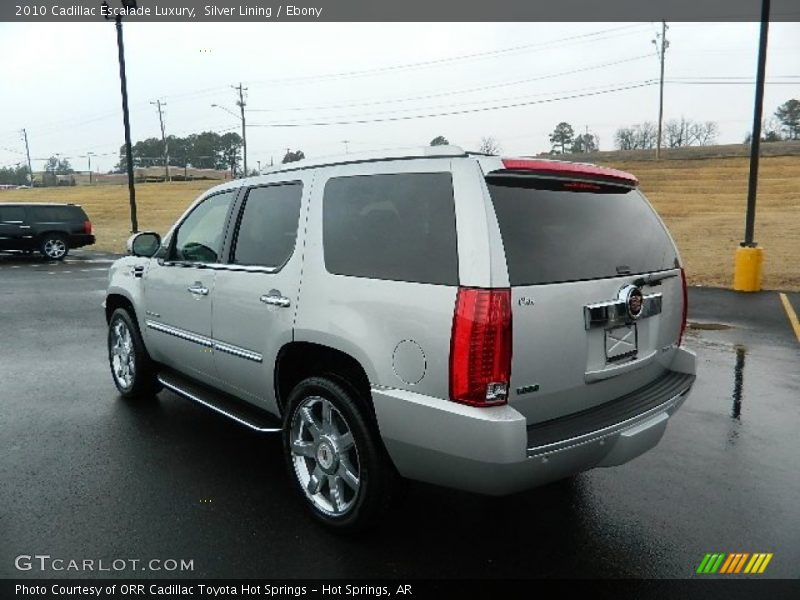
[{"x": 87, "y": 475}]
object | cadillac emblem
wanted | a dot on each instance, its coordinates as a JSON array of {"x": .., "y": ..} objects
[{"x": 631, "y": 296}]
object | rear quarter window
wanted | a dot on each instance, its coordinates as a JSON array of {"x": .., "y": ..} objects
[
  {"x": 399, "y": 227},
  {"x": 557, "y": 231},
  {"x": 58, "y": 214}
]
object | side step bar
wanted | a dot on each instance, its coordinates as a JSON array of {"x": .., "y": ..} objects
[{"x": 241, "y": 412}]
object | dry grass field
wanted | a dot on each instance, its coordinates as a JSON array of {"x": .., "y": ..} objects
[
  {"x": 702, "y": 201},
  {"x": 158, "y": 206}
]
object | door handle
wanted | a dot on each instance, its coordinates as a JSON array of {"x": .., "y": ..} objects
[
  {"x": 198, "y": 289},
  {"x": 276, "y": 300},
  {"x": 24, "y": 226}
]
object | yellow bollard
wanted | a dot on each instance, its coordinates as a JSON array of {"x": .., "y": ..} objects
[{"x": 747, "y": 269}]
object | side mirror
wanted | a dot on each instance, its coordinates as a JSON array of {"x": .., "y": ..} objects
[{"x": 144, "y": 244}]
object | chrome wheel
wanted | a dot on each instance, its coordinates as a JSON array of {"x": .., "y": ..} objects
[
  {"x": 55, "y": 248},
  {"x": 324, "y": 456},
  {"x": 123, "y": 364}
]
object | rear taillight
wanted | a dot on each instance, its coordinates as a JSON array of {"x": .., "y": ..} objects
[
  {"x": 87, "y": 226},
  {"x": 685, "y": 306},
  {"x": 480, "y": 347}
]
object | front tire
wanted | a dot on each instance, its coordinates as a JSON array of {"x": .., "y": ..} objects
[
  {"x": 54, "y": 246},
  {"x": 334, "y": 456},
  {"x": 132, "y": 369}
]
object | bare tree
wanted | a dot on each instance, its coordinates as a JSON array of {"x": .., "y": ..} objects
[
  {"x": 641, "y": 136},
  {"x": 646, "y": 135},
  {"x": 585, "y": 142},
  {"x": 624, "y": 138},
  {"x": 676, "y": 133},
  {"x": 702, "y": 134},
  {"x": 489, "y": 145}
]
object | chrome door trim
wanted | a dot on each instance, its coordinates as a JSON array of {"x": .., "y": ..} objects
[
  {"x": 204, "y": 341},
  {"x": 238, "y": 351},
  {"x": 219, "y": 266},
  {"x": 180, "y": 333},
  {"x": 615, "y": 312}
]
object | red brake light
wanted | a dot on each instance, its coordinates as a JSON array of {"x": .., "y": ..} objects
[
  {"x": 87, "y": 226},
  {"x": 556, "y": 167},
  {"x": 685, "y": 306},
  {"x": 480, "y": 347}
]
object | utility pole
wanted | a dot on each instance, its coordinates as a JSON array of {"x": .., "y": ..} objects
[
  {"x": 28, "y": 152},
  {"x": 241, "y": 105},
  {"x": 159, "y": 104},
  {"x": 662, "y": 49},
  {"x": 89, "y": 156},
  {"x": 749, "y": 258},
  {"x": 123, "y": 84}
]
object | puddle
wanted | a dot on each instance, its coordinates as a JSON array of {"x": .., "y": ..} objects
[{"x": 703, "y": 326}]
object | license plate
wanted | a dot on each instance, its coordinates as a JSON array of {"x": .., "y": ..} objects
[{"x": 621, "y": 342}]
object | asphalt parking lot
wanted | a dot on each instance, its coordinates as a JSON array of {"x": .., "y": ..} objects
[{"x": 87, "y": 475}]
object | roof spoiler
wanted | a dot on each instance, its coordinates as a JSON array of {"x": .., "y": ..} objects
[{"x": 568, "y": 169}]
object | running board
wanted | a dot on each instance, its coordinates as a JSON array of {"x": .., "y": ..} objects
[{"x": 228, "y": 406}]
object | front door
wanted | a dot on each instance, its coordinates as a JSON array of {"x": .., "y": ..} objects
[
  {"x": 179, "y": 290},
  {"x": 255, "y": 295}
]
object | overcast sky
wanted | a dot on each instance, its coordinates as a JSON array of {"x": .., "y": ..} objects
[{"x": 60, "y": 81}]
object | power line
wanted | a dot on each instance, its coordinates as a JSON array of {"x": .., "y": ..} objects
[
  {"x": 457, "y": 112},
  {"x": 454, "y": 92},
  {"x": 597, "y": 35},
  {"x": 451, "y": 105}
]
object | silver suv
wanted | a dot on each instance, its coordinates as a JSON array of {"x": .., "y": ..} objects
[{"x": 481, "y": 323}]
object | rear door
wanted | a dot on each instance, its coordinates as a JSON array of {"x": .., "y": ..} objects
[
  {"x": 580, "y": 255},
  {"x": 14, "y": 231},
  {"x": 255, "y": 293}
]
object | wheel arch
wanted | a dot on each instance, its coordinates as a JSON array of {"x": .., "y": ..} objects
[
  {"x": 115, "y": 301},
  {"x": 42, "y": 236},
  {"x": 299, "y": 360}
]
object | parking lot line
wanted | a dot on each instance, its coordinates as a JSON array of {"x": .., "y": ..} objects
[{"x": 791, "y": 314}]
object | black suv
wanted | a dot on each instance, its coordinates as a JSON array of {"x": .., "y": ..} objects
[{"x": 52, "y": 229}]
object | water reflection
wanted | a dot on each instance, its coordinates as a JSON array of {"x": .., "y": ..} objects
[{"x": 738, "y": 381}]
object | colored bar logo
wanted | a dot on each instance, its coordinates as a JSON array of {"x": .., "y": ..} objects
[{"x": 734, "y": 563}]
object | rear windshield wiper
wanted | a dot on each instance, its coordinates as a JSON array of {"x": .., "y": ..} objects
[{"x": 654, "y": 279}]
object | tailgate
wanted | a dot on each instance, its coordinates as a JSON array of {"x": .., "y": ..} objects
[{"x": 596, "y": 291}]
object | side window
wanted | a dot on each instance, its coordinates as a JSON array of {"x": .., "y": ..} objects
[
  {"x": 199, "y": 237},
  {"x": 12, "y": 214},
  {"x": 268, "y": 225},
  {"x": 55, "y": 214},
  {"x": 400, "y": 227}
]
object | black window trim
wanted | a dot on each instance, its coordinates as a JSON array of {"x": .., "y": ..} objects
[{"x": 228, "y": 264}]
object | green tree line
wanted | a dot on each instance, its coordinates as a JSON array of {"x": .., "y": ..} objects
[{"x": 206, "y": 150}]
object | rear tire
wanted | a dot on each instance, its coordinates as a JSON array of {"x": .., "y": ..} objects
[
  {"x": 54, "y": 246},
  {"x": 335, "y": 457},
  {"x": 132, "y": 369}
]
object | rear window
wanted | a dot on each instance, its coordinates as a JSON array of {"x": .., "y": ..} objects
[
  {"x": 400, "y": 227},
  {"x": 556, "y": 231},
  {"x": 58, "y": 214}
]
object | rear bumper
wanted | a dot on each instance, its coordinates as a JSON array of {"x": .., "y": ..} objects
[
  {"x": 493, "y": 451},
  {"x": 81, "y": 239}
]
